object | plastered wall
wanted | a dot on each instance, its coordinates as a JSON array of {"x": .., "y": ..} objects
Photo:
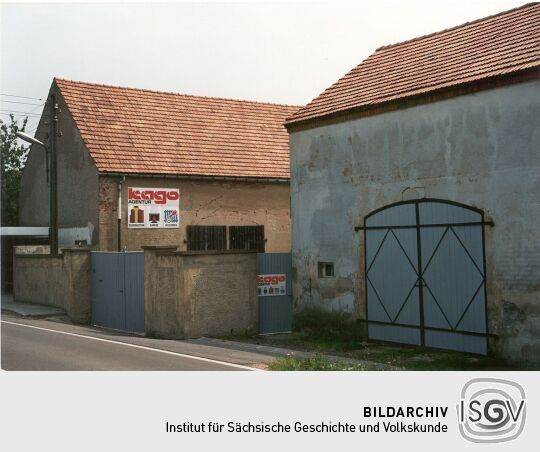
[{"x": 482, "y": 150}]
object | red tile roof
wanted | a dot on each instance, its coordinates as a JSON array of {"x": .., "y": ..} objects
[
  {"x": 502, "y": 44},
  {"x": 140, "y": 131}
]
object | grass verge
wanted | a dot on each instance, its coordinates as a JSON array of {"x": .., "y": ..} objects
[
  {"x": 335, "y": 333},
  {"x": 316, "y": 362}
]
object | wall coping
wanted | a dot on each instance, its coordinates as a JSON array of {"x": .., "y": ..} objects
[
  {"x": 159, "y": 247},
  {"x": 214, "y": 252},
  {"x": 171, "y": 250},
  {"x": 77, "y": 249},
  {"x": 37, "y": 256}
]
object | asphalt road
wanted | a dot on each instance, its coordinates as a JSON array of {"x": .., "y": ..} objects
[{"x": 41, "y": 345}]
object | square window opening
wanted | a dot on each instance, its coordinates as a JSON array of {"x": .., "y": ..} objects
[{"x": 326, "y": 269}]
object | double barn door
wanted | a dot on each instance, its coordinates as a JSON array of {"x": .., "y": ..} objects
[{"x": 425, "y": 275}]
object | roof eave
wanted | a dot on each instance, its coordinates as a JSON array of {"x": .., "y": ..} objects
[
  {"x": 435, "y": 95},
  {"x": 196, "y": 177}
]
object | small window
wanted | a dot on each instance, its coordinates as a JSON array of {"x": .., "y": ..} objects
[
  {"x": 206, "y": 238},
  {"x": 326, "y": 269},
  {"x": 246, "y": 238}
]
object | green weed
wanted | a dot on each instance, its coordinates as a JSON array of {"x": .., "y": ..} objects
[{"x": 316, "y": 362}]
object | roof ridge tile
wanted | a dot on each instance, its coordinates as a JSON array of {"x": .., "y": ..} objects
[
  {"x": 455, "y": 27},
  {"x": 495, "y": 46},
  {"x": 127, "y": 88}
]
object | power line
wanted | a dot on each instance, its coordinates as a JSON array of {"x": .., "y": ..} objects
[
  {"x": 21, "y": 97},
  {"x": 35, "y": 108},
  {"x": 17, "y": 102},
  {"x": 21, "y": 113},
  {"x": 28, "y": 113},
  {"x": 15, "y": 111},
  {"x": 17, "y": 118}
]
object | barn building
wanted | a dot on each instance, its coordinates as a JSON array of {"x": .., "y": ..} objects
[
  {"x": 139, "y": 167},
  {"x": 415, "y": 188}
]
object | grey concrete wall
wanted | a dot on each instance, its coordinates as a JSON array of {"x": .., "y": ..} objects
[
  {"x": 40, "y": 279},
  {"x": 163, "y": 293},
  {"x": 481, "y": 150},
  {"x": 192, "y": 295},
  {"x": 63, "y": 281},
  {"x": 220, "y": 294},
  {"x": 77, "y": 178},
  {"x": 78, "y": 267}
]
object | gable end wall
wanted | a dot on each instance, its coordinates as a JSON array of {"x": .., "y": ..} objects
[{"x": 77, "y": 178}]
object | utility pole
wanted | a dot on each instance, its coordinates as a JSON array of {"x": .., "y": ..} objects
[{"x": 53, "y": 221}]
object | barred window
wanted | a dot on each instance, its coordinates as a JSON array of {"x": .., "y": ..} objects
[
  {"x": 206, "y": 238},
  {"x": 246, "y": 238}
]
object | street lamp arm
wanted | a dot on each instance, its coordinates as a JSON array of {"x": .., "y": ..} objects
[
  {"x": 29, "y": 139},
  {"x": 50, "y": 156}
]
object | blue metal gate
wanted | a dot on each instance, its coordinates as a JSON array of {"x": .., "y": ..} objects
[
  {"x": 425, "y": 275},
  {"x": 275, "y": 292},
  {"x": 118, "y": 290}
]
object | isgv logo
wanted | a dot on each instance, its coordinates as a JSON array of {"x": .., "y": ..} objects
[{"x": 491, "y": 410}]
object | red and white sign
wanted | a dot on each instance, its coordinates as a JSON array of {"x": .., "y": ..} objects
[
  {"x": 271, "y": 285},
  {"x": 153, "y": 207}
]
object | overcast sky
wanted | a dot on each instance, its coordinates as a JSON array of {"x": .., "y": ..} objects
[{"x": 276, "y": 52}]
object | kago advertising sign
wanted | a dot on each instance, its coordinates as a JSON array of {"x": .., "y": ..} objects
[
  {"x": 153, "y": 208},
  {"x": 271, "y": 285}
]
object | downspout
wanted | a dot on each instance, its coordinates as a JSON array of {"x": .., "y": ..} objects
[{"x": 120, "y": 212}]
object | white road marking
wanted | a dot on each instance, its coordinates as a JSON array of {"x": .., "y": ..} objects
[{"x": 125, "y": 344}]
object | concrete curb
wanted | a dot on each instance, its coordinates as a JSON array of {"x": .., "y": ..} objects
[
  {"x": 279, "y": 352},
  {"x": 31, "y": 310}
]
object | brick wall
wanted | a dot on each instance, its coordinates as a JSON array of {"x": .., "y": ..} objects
[{"x": 227, "y": 203}]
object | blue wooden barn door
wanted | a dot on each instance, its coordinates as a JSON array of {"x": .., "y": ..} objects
[{"x": 425, "y": 275}]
